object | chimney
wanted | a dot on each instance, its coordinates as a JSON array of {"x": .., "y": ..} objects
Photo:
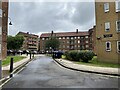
[
  {"x": 76, "y": 30},
  {"x": 52, "y": 32}
]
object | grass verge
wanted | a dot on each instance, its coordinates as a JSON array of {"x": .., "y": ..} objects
[
  {"x": 95, "y": 62},
  {"x": 6, "y": 61}
]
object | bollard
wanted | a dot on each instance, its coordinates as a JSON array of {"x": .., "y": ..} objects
[
  {"x": 27, "y": 53},
  {"x": 11, "y": 67},
  {"x": 30, "y": 55},
  {"x": 33, "y": 55}
]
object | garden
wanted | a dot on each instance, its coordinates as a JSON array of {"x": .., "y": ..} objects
[{"x": 86, "y": 57}]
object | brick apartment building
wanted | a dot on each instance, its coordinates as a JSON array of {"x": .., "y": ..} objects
[
  {"x": 3, "y": 28},
  {"x": 69, "y": 40},
  {"x": 92, "y": 37},
  {"x": 108, "y": 31},
  {"x": 30, "y": 41}
]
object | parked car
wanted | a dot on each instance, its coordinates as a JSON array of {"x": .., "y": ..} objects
[{"x": 57, "y": 54}]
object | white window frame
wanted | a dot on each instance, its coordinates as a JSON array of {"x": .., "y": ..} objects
[
  {"x": 106, "y": 7},
  {"x": 117, "y": 5},
  {"x": 107, "y": 26},
  {"x": 118, "y": 50},
  {"x": 109, "y": 46},
  {"x": 118, "y": 29}
]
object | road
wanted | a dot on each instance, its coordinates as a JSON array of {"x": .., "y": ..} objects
[{"x": 45, "y": 73}]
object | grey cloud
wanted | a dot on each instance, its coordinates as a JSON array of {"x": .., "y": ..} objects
[{"x": 38, "y": 17}]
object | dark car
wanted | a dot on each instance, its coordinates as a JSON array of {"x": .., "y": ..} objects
[{"x": 57, "y": 54}]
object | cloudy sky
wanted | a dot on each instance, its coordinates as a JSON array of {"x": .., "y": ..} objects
[{"x": 41, "y": 17}]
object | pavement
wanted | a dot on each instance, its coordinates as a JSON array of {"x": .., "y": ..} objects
[
  {"x": 19, "y": 64},
  {"x": 87, "y": 68}
]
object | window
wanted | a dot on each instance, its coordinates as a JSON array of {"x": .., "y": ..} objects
[
  {"x": 106, "y": 7},
  {"x": 87, "y": 46},
  {"x": 108, "y": 46},
  {"x": 43, "y": 38},
  {"x": 117, "y": 5},
  {"x": 86, "y": 36},
  {"x": 118, "y": 26},
  {"x": 63, "y": 37},
  {"x": 86, "y": 41},
  {"x": 67, "y": 41},
  {"x": 78, "y": 41},
  {"x": 67, "y": 46},
  {"x": 72, "y": 38},
  {"x": 118, "y": 46},
  {"x": 75, "y": 46},
  {"x": 59, "y": 37},
  {"x": 107, "y": 26},
  {"x": 63, "y": 46},
  {"x": 78, "y": 37},
  {"x": 67, "y": 37}
]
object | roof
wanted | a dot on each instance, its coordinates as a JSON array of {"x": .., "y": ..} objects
[
  {"x": 65, "y": 34},
  {"x": 27, "y": 34}
]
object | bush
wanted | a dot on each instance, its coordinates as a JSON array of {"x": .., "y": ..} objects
[
  {"x": 74, "y": 56},
  {"x": 85, "y": 56}
]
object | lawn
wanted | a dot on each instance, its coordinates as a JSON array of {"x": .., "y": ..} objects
[
  {"x": 6, "y": 61},
  {"x": 95, "y": 62}
]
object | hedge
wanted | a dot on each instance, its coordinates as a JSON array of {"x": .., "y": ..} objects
[{"x": 84, "y": 56}]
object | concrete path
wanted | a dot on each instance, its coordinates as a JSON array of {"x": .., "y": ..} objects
[{"x": 87, "y": 68}]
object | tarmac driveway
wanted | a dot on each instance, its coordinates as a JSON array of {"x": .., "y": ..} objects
[{"x": 45, "y": 73}]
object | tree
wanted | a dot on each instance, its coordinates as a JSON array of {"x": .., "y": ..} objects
[
  {"x": 53, "y": 42},
  {"x": 15, "y": 43}
]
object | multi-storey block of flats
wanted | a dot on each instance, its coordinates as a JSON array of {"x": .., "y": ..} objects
[
  {"x": 108, "y": 31},
  {"x": 30, "y": 41},
  {"x": 69, "y": 40}
]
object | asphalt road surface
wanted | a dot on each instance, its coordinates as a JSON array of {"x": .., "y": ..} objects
[{"x": 45, "y": 73}]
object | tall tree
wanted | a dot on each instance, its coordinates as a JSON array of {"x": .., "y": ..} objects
[
  {"x": 52, "y": 43},
  {"x": 15, "y": 43}
]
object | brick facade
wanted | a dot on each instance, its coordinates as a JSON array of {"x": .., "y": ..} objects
[
  {"x": 107, "y": 32},
  {"x": 30, "y": 41},
  {"x": 69, "y": 40}
]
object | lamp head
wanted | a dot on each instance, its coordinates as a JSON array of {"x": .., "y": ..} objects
[{"x": 10, "y": 23}]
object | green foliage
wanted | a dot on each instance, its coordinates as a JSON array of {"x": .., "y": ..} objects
[
  {"x": 85, "y": 56},
  {"x": 53, "y": 42},
  {"x": 15, "y": 43},
  {"x": 15, "y": 58}
]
